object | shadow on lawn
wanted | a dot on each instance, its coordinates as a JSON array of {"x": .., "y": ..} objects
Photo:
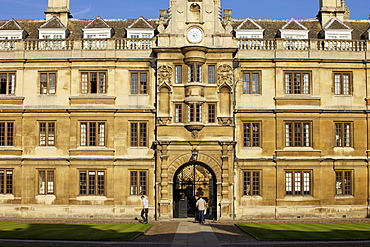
[
  {"x": 290, "y": 234},
  {"x": 73, "y": 232}
]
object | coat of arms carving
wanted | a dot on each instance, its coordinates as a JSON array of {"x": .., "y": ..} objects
[
  {"x": 224, "y": 75},
  {"x": 164, "y": 75}
]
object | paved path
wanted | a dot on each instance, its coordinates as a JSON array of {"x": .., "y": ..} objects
[{"x": 194, "y": 234}]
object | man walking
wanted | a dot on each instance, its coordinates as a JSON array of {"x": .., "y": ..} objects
[
  {"x": 144, "y": 212},
  {"x": 201, "y": 205}
]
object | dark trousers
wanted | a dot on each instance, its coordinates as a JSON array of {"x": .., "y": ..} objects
[{"x": 144, "y": 215}]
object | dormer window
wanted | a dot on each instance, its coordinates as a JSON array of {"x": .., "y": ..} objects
[
  {"x": 53, "y": 29},
  {"x": 97, "y": 29},
  {"x": 11, "y": 30},
  {"x": 336, "y": 29},
  {"x": 140, "y": 29},
  {"x": 294, "y": 30},
  {"x": 249, "y": 29}
]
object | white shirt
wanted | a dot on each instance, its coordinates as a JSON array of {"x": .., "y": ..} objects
[
  {"x": 201, "y": 204},
  {"x": 145, "y": 203}
]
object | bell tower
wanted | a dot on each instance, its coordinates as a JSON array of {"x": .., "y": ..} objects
[
  {"x": 60, "y": 9},
  {"x": 185, "y": 15},
  {"x": 333, "y": 8}
]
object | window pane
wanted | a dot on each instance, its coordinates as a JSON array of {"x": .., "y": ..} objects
[
  {"x": 9, "y": 182},
  {"x": 256, "y": 183},
  {"x": 42, "y": 134},
  {"x": 101, "y": 134},
  {"x": 92, "y": 134},
  {"x": 93, "y": 83},
  {"x": 10, "y": 134},
  {"x": 83, "y": 183},
  {"x": 134, "y": 135},
  {"x": 247, "y": 135},
  {"x": 133, "y": 176},
  {"x": 255, "y": 83},
  {"x": 178, "y": 113},
  {"x": 178, "y": 74},
  {"x": 297, "y": 183},
  {"x": 2, "y": 182},
  {"x": 50, "y": 182},
  {"x": 3, "y": 83},
  {"x": 211, "y": 113},
  {"x": 337, "y": 84},
  {"x": 297, "y": 83},
  {"x": 142, "y": 134},
  {"x": 143, "y": 183},
  {"x": 347, "y": 135},
  {"x": 83, "y": 134},
  {"x": 84, "y": 80},
  {"x": 92, "y": 183},
  {"x": 288, "y": 183},
  {"x": 306, "y": 183},
  {"x": 288, "y": 83},
  {"x": 51, "y": 134},
  {"x": 52, "y": 83},
  {"x": 288, "y": 135},
  {"x": 43, "y": 84},
  {"x": 347, "y": 182},
  {"x": 306, "y": 83},
  {"x": 211, "y": 74},
  {"x": 339, "y": 183},
  {"x": 247, "y": 183},
  {"x": 101, "y": 183},
  {"x": 101, "y": 82},
  {"x": 42, "y": 182},
  {"x": 246, "y": 84},
  {"x": 134, "y": 83},
  {"x": 143, "y": 83},
  {"x": 346, "y": 85},
  {"x": 256, "y": 134},
  {"x": 2, "y": 134}
]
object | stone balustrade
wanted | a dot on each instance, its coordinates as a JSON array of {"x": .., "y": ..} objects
[
  {"x": 342, "y": 45},
  {"x": 47, "y": 45},
  {"x": 147, "y": 44}
]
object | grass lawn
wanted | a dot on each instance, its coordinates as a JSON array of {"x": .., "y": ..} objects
[
  {"x": 71, "y": 231},
  {"x": 304, "y": 231}
]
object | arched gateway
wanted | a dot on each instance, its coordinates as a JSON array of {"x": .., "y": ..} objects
[{"x": 192, "y": 180}]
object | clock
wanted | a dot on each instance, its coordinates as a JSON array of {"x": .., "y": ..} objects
[{"x": 195, "y": 35}]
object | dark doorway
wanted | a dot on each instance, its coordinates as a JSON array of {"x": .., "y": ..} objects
[{"x": 191, "y": 181}]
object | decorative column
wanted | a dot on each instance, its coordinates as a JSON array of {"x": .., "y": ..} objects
[
  {"x": 163, "y": 183},
  {"x": 227, "y": 181}
]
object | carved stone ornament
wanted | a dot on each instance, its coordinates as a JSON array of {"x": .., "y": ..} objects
[
  {"x": 164, "y": 75},
  {"x": 224, "y": 75}
]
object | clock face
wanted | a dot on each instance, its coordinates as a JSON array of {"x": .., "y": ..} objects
[{"x": 195, "y": 35}]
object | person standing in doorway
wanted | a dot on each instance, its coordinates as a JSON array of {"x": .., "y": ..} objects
[
  {"x": 144, "y": 212},
  {"x": 201, "y": 206}
]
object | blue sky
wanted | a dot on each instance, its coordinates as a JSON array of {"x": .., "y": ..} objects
[{"x": 110, "y": 9}]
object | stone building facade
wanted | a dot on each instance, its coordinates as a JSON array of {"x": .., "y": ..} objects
[{"x": 265, "y": 118}]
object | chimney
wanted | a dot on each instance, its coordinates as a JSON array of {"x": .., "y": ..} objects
[
  {"x": 333, "y": 8},
  {"x": 60, "y": 9}
]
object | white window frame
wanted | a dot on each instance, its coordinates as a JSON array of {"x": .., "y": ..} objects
[
  {"x": 294, "y": 34},
  {"x": 11, "y": 34},
  {"x": 52, "y": 33},
  {"x": 338, "y": 34},
  {"x": 140, "y": 33},
  {"x": 97, "y": 33},
  {"x": 249, "y": 34}
]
